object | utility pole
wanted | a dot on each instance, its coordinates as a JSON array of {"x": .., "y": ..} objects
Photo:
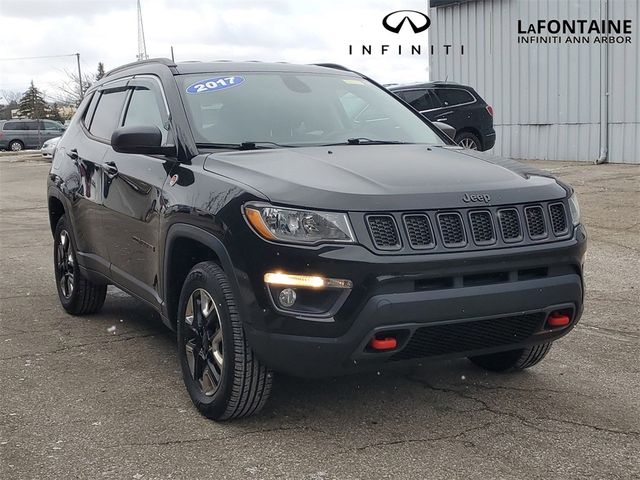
[{"x": 79, "y": 75}]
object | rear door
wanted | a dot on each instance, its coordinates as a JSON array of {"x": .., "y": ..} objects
[
  {"x": 422, "y": 99},
  {"x": 50, "y": 130},
  {"x": 86, "y": 145},
  {"x": 133, "y": 194},
  {"x": 32, "y": 134},
  {"x": 456, "y": 109}
]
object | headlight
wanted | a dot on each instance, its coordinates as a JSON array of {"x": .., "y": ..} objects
[
  {"x": 298, "y": 226},
  {"x": 574, "y": 207}
]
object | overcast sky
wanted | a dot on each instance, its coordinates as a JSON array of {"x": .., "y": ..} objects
[{"x": 270, "y": 30}]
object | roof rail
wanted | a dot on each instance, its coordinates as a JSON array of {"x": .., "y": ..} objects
[
  {"x": 332, "y": 65},
  {"x": 163, "y": 61}
]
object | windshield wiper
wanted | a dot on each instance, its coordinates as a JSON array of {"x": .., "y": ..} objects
[
  {"x": 367, "y": 141},
  {"x": 243, "y": 145}
]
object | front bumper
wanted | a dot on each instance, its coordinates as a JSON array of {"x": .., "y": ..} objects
[{"x": 438, "y": 306}]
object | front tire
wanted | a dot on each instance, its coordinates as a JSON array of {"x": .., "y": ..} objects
[
  {"x": 77, "y": 294},
  {"x": 219, "y": 369},
  {"x": 513, "y": 360}
]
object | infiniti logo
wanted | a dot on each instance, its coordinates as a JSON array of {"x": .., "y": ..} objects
[
  {"x": 394, "y": 21},
  {"x": 481, "y": 197}
]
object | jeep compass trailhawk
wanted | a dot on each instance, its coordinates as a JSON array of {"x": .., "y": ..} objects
[{"x": 275, "y": 229}]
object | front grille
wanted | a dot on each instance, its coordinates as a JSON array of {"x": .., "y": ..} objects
[
  {"x": 419, "y": 231},
  {"x": 470, "y": 228},
  {"x": 482, "y": 228},
  {"x": 510, "y": 225},
  {"x": 535, "y": 222},
  {"x": 451, "y": 229},
  {"x": 473, "y": 335},
  {"x": 558, "y": 218},
  {"x": 384, "y": 232}
]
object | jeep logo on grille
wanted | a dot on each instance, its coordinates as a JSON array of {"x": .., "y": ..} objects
[{"x": 480, "y": 197}]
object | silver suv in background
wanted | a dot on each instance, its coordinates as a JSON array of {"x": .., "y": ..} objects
[{"x": 21, "y": 134}]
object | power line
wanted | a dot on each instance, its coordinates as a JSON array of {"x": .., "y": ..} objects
[{"x": 36, "y": 58}]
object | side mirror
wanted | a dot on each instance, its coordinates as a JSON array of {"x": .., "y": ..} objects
[
  {"x": 447, "y": 129},
  {"x": 140, "y": 139}
]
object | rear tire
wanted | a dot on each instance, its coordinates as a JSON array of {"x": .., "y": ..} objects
[
  {"x": 513, "y": 360},
  {"x": 220, "y": 371},
  {"x": 77, "y": 294},
  {"x": 468, "y": 140},
  {"x": 15, "y": 146}
]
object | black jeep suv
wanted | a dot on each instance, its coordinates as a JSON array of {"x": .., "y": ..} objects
[
  {"x": 459, "y": 106},
  {"x": 274, "y": 231}
]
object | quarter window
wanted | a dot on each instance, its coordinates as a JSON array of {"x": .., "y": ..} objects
[
  {"x": 453, "y": 96},
  {"x": 88, "y": 114},
  {"x": 107, "y": 115}
]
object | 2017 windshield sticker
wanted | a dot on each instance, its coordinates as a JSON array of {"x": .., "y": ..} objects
[{"x": 215, "y": 84}]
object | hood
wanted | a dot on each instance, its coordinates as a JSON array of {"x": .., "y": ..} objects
[{"x": 382, "y": 177}]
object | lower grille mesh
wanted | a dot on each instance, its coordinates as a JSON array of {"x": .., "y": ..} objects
[{"x": 473, "y": 335}]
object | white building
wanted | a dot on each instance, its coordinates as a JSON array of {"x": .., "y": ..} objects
[{"x": 553, "y": 98}]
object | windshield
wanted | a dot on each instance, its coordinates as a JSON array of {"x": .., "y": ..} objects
[{"x": 292, "y": 109}]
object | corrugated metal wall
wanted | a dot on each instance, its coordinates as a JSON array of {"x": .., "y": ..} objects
[{"x": 546, "y": 97}]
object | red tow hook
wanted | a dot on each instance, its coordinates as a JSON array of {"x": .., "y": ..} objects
[
  {"x": 558, "y": 319},
  {"x": 382, "y": 344}
]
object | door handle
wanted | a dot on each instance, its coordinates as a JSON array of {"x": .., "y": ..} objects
[
  {"x": 441, "y": 119},
  {"x": 111, "y": 169},
  {"x": 73, "y": 154}
]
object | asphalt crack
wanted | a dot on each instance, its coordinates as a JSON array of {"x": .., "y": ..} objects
[{"x": 522, "y": 419}]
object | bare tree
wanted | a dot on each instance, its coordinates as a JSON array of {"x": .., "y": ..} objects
[
  {"x": 11, "y": 96},
  {"x": 69, "y": 89}
]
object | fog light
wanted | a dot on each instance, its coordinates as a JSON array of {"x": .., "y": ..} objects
[{"x": 287, "y": 297}]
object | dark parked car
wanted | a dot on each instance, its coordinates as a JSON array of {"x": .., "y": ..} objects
[
  {"x": 23, "y": 134},
  {"x": 277, "y": 230},
  {"x": 456, "y": 105}
]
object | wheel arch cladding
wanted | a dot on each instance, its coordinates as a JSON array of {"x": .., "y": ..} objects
[
  {"x": 56, "y": 211},
  {"x": 185, "y": 247}
]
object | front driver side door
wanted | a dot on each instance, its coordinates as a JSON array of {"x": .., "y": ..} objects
[{"x": 133, "y": 195}]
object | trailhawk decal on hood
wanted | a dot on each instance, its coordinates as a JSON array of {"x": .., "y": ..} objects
[{"x": 215, "y": 84}]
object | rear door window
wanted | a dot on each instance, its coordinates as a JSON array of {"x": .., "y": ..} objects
[
  {"x": 52, "y": 126},
  {"x": 453, "y": 96},
  {"x": 421, "y": 100},
  {"x": 108, "y": 112},
  {"x": 32, "y": 125},
  {"x": 13, "y": 126}
]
